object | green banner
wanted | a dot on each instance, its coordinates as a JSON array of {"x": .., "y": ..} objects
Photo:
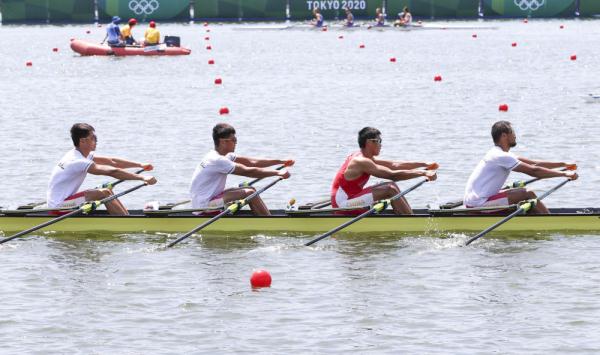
[
  {"x": 529, "y": 8},
  {"x": 71, "y": 10},
  {"x": 145, "y": 10},
  {"x": 19, "y": 11},
  {"x": 589, "y": 7},
  {"x": 244, "y": 9},
  {"x": 434, "y": 8},
  {"x": 331, "y": 9}
]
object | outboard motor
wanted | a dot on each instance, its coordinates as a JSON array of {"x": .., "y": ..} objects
[{"x": 173, "y": 41}]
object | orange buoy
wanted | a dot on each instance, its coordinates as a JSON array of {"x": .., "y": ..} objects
[
  {"x": 218, "y": 81},
  {"x": 211, "y": 61},
  {"x": 503, "y": 108},
  {"x": 260, "y": 278},
  {"x": 573, "y": 57},
  {"x": 223, "y": 111}
]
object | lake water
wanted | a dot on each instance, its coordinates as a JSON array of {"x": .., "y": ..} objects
[{"x": 303, "y": 94}]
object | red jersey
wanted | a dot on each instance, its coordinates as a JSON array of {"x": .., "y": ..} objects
[{"x": 350, "y": 187}]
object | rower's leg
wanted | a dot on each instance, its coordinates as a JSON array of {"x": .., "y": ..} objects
[
  {"x": 257, "y": 205},
  {"x": 387, "y": 190},
  {"x": 518, "y": 195},
  {"x": 114, "y": 207}
]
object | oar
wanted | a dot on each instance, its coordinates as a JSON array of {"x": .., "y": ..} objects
[
  {"x": 378, "y": 207},
  {"x": 524, "y": 208},
  {"x": 513, "y": 185},
  {"x": 231, "y": 209},
  {"x": 106, "y": 185},
  {"x": 170, "y": 206},
  {"x": 85, "y": 208}
]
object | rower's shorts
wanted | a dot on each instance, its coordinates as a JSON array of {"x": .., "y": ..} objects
[
  {"x": 216, "y": 202},
  {"x": 72, "y": 201},
  {"x": 499, "y": 199},
  {"x": 362, "y": 199}
]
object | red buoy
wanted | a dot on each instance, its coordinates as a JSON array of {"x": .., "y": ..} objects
[
  {"x": 207, "y": 38},
  {"x": 218, "y": 81},
  {"x": 209, "y": 47},
  {"x": 393, "y": 59},
  {"x": 211, "y": 61},
  {"x": 205, "y": 24},
  {"x": 573, "y": 57},
  {"x": 260, "y": 278},
  {"x": 503, "y": 107},
  {"x": 324, "y": 29},
  {"x": 208, "y": 30},
  {"x": 474, "y": 35},
  {"x": 341, "y": 37},
  {"x": 562, "y": 26},
  {"x": 525, "y": 21},
  {"x": 437, "y": 78},
  {"x": 54, "y": 49},
  {"x": 223, "y": 111},
  {"x": 29, "y": 64},
  {"x": 361, "y": 46},
  {"x": 514, "y": 44},
  {"x": 88, "y": 32}
]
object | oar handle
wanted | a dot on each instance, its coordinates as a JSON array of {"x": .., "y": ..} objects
[
  {"x": 110, "y": 185},
  {"x": 246, "y": 183}
]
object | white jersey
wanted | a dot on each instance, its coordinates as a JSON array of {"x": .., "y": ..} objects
[
  {"x": 67, "y": 177},
  {"x": 210, "y": 177},
  {"x": 489, "y": 176}
]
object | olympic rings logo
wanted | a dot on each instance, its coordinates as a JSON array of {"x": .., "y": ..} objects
[
  {"x": 529, "y": 4},
  {"x": 145, "y": 7}
]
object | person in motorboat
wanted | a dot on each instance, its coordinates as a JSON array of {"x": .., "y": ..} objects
[
  {"x": 152, "y": 35},
  {"x": 404, "y": 18},
  {"x": 70, "y": 172},
  {"x": 484, "y": 187},
  {"x": 207, "y": 189},
  {"x": 126, "y": 32},
  {"x": 113, "y": 33},
  {"x": 379, "y": 18},
  {"x": 348, "y": 188},
  {"x": 317, "y": 20},
  {"x": 349, "y": 21}
]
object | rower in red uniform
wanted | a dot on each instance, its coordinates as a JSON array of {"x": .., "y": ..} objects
[{"x": 348, "y": 188}]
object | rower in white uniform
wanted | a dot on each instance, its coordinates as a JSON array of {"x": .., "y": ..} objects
[
  {"x": 207, "y": 189},
  {"x": 484, "y": 187},
  {"x": 70, "y": 172}
]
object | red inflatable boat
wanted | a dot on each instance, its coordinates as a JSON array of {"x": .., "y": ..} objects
[{"x": 88, "y": 48}]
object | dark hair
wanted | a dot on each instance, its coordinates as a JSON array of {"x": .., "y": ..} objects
[
  {"x": 80, "y": 130},
  {"x": 500, "y": 127},
  {"x": 367, "y": 133},
  {"x": 222, "y": 130}
]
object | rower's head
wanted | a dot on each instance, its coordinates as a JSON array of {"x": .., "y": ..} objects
[
  {"x": 224, "y": 138},
  {"x": 405, "y": 9},
  {"x": 369, "y": 140},
  {"x": 84, "y": 137},
  {"x": 504, "y": 135},
  {"x": 347, "y": 10},
  {"x": 132, "y": 22},
  {"x": 378, "y": 10}
]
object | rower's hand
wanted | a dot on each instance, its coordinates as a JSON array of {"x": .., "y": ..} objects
[
  {"x": 289, "y": 162},
  {"x": 147, "y": 166},
  {"x": 284, "y": 174},
  {"x": 430, "y": 175},
  {"x": 432, "y": 166},
  {"x": 149, "y": 180},
  {"x": 571, "y": 167},
  {"x": 571, "y": 175}
]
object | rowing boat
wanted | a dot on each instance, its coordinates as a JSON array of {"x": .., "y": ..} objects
[
  {"x": 364, "y": 26},
  {"x": 423, "y": 222}
]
